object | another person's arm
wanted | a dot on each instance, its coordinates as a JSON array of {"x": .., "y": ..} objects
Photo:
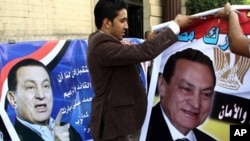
[{"x": 238, "y": 42}]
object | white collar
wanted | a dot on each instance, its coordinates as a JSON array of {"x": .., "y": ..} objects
[
  {"x": 175, "y": 133},
  {"x": 46, "y": 132}
]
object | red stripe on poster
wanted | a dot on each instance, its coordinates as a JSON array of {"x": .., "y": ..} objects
[{"x": 38, "y": 55}]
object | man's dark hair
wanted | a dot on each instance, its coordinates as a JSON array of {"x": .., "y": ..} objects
[
  {"x": 189, "y": 54},
  {"x": 12, "y": 76},
  {"x": 107, "y": 9}
]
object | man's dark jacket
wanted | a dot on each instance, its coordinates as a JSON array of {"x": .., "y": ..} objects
[
  {"x": 120, "y": 102},
  {"x": 158, "y": 129}
]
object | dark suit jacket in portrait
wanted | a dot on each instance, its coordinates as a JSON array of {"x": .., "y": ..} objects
[
  {"x": 120, "y": 102},
  {"x": 26, "y": 134},
  {"x": 158, "y": 129}
]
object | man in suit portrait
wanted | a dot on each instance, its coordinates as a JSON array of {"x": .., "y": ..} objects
[
  {"x": 30, "y": 94},
  {"x": 118, "y": 110},
  {"x": 186, "y": 89}
]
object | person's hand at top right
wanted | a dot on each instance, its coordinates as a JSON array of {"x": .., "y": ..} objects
[
  {"x": 224, "y": 12},
  {"x": 184, "y": 20}
]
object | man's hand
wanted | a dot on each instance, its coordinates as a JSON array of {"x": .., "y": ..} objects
[
  {"x": 224, "y": 13},
  {"x": 184, "y": 20},
  {"x": 61, "y": 132},
  {"x": 152, "y": 34}
]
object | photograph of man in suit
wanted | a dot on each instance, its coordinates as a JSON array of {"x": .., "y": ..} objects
[
  {"x": 30, "y": 94},
  {"x": 118, "y": 110},
  {"x": 186, "y": 89}
]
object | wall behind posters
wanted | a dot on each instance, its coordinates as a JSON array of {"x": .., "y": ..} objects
[
  {"x": 29, "y": 20},
  {"x": 231, "y": 101}
]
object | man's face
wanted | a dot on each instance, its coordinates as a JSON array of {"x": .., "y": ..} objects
[
  {"x": 187, "y": 99},
  {"x": 33, "y": 95},
  {"x": 119, "y": 24}
]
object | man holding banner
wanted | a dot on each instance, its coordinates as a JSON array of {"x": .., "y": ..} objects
[{"x": 120, "y": 101}]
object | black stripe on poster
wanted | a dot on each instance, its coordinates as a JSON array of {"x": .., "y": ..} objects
[
  {"x": 59, "y": 56},
  {"x": 231, "y": 109}
]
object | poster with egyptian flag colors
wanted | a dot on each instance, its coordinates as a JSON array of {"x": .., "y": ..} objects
[
  {"x": 70, "y": 82},
  {"x": 232, "y": 98}
]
